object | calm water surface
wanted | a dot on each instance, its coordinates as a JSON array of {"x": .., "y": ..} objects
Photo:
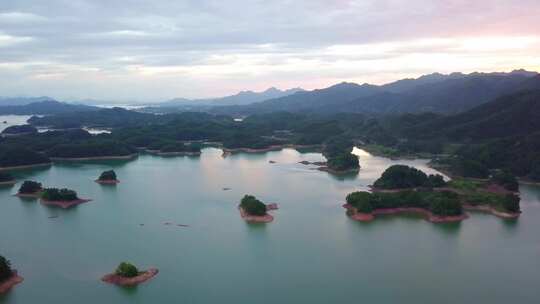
[{"x": 311, "y": 253}]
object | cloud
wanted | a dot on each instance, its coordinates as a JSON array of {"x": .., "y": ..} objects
[{"x": 162, "y": 49}]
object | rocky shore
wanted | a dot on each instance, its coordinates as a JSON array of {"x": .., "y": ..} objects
[
  {"x": 367, "y": 217},
  {"x": 144, "y": 276},
  {"x": 107, "y": 181},
  {"x": 491, "y": 210},
  {"x": 267, "y": 218},
  {"x": 6, "y": 285},
  {"x": 25, "y": 167},
  {"x": 64, "y": 204}
]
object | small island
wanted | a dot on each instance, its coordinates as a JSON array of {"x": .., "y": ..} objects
[
  {"x": 107, "y": 178},
  {"x": 7, "y": 179},
  {"x": 64, "y": 198},
  {"x": 8, "y": 276},
  {"x": 340, "y": 160},
  {"x": 254, "y": 211},
  {"x": 30, "y": 189},
  {"x": 126, "y": 274},
  {"x": 406, "y": 189}
]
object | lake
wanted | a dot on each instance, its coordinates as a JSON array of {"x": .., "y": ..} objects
[
  {"x": 311, "y": 253},
  {"x": 12, "y": 120}
]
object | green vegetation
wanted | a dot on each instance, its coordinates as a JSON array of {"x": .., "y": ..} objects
[
  {"x": 337, "y": 151},
  {"x": 505, "y": 179},
  {"x": 55, "y": 194},
  {"x": 401, "y": 176},
  {"x": 501, "y": 202},
  {"x": 30, "y": 187},
  {"x": 253, "y": 206},
  {"x": 5, "y": 269},
  {"x": 6, "y": 177},
  {"x": 441, "y": 203},
  {"x": 17, "y": 156},
  {"x": 126, "y": 270},
  {"x": 21, "y": 129},
  {"x": 109, "y": 175},
  {"x": 178, "y": 147}
]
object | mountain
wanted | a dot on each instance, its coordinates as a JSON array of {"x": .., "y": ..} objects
[
  {"x": 242, "y": 98},
  {"x": 21, "y": 101},
  {"x": 45, "y": 107},
  {"x": 438, "y": 93}
]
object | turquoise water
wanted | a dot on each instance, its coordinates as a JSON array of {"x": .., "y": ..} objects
[{"x": 311, "y": 253}]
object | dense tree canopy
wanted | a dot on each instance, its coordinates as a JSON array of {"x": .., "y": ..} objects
[
  {"x": 109, "y": 175},
  {"x": 55, "y": 194},
  {"x": 30, "y": 187},
  {"x": 401, "y": 176},
  {"x": 252, "y": 205},
  {"x": 127, "y": 270}
]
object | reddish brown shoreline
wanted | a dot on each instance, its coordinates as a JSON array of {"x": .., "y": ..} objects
[
  {"x": 8, "y": 183},
  {"x": 107, "y": 182},
  {"x": 338, "y": 172},
  {"x": 255, "y": 218},
  {"x": 28, "y": 195},
  {"x": 491, "y": 210},
  {"x": 64, "y": 204},
  {"x": 6, "y": 285},
  {"x": 366, "y": 217},
  {"x": 144, "y": 276}
]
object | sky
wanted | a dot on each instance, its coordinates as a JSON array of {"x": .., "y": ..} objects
[{"x": 134, "y": 50}]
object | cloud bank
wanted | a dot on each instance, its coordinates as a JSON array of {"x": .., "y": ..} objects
[{"x": 150, "y": 50}]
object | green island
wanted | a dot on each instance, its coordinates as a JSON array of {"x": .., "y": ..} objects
[
  {"x": 406, "y": 189},
  {"x": 255, "y": 211},
  {"x": 8, "y": 276},
  {"x": 30, "y": 189},
  {"x": 127, "y": 274},
  {"x": 64, "y": 198},
  {"x": 7, "y": 179},
  {"x": 107, "y": 178}
]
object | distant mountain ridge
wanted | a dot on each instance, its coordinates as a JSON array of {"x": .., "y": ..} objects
[
  {"x": 438, "y": 93},
  {"x": 241, "y": 98},
  {"x": 44, "y": 107}
]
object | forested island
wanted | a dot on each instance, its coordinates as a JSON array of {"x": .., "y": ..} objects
[
  {"x": 19, "y": 130},
  {"x": 64, "y": 198},
  {"x": 406, "y": 189},
  {"x": 30, "y": 189},
  {"x": 126, "y": 274},
  {"x": 107, "y": 178},
  {"x": 8, "y": 276},
  {"x": 254, "y": 211}
]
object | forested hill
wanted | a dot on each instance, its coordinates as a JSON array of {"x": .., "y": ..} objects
[
  {"x": 44, "y": 107},
  {"x": 445, "y": 94},
  {"x": 511, "y": 115}
]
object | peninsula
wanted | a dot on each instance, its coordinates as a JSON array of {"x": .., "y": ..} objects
[{"x": 404, "y": 189}]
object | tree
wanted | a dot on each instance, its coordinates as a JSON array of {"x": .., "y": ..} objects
[
  {"x": 505, "y": 179},
  {"x": 30, "y": 187},
  {"x": 55, "y": 194},
  {"x": 362, "y": 201},
  {"x": 436, "y": 181},
  {"x": 109, "y": 175},
  {"x": 510, "y": 203},
  {"x": 401, "y": 176},
  {"x": 127, "y": 270},
  {"x": 253, "y": 206},
  {"x": 5, "y": 269}
]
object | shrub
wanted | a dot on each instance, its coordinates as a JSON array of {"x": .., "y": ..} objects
[
  {"x": 127, "y": 270},
  {"x": 252, "y": 206},
  {"x": 30, "y": 187}
]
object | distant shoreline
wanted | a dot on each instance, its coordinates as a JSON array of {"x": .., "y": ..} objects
[
  {"x": 25, "y": 167},
  {"x": 121, "y": 157}
]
